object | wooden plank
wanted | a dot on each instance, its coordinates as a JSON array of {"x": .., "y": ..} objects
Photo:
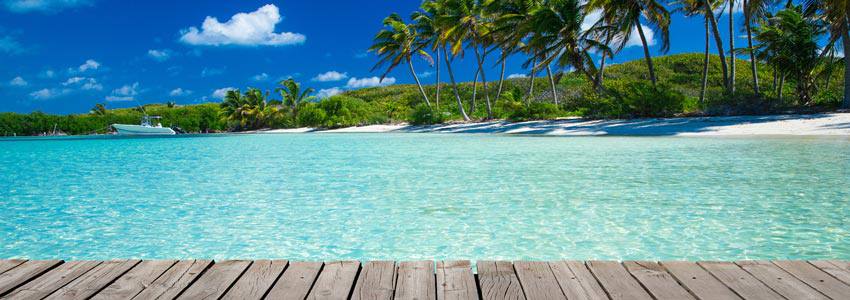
[
  {"x": 576, "y": 281},
  {"x": 739, "y": 280},
  {"x": 656, "y": 280},
  {"x": 8, "y": 264},
  {"x": 257, "y": 280},
  {"x": 296, "y": 281},
  {"x": 137, "y": 279},
  {"x": 498, "y": 281},
  {"x": 175, "y": 280},
  {"x": 616, "y": 280},
  {"x": 376, "y": 281},
  {"x": 93, "y": 281},
  {"x": 53, "y": 280},
  {"x": 698, "y": 281},
  {"x": 455, "y": 281},
  {"x": 216, "y": 280},
  {"x": 780, "y": 281},
  {"x": 537, "y": 280},
  {"x": 23, "y": 273},
  {"x": 816, "y": 278},
  {"x": 416, "y": 281},
  {"x": 838, "y": 269},
  {"x": 335, "y": 281}
]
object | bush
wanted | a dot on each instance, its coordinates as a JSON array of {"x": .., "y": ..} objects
[
  {"x": 346, "y": 111},
  {"x": 424, "y": 115},
  {"x": 518, "y": 111},
  {"x": 642, "y": 99},
  {"x": 311, "y": 115}
]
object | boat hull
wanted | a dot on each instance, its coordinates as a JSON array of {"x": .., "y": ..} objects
[{"x": 124, "y": 129}]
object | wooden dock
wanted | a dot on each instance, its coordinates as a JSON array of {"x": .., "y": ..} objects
[{"x": 280, "y": 279}]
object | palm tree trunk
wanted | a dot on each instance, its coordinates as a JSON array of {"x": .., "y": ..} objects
[
  {"x": 437, "y": 64},
  {"x": 775, "y": 78},
  {"x": 480, "y": 59},
  {"x": 646, "y": 52},
  {"x": 829, "y": 71},
  {"x": 717, "y": 40},
  {"x": 501, "y": 79},
  {"x": 474, "y": 92},
  {"x": 601, "y": 75},
  {"x": 753, "y": 62},
  {"x": 454, "y": 85},
  {"x": 781, "y": 85},
  {"x": 418, "y": 84},
  {"x": 845, "y": 39},
  {"x": 705, "y": 65},
  {"x": 531, "y": 81},
  {"x": 731, "y": 47},
  {"x": 552, "y": 84}
]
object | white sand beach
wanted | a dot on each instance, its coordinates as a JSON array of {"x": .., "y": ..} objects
[{"x": 831, "y": 124}]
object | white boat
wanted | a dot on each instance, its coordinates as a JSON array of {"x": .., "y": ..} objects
[{"x": 147, "y": 127}]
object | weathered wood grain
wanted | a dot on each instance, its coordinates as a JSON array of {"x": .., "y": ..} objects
[
  {"x": 416, "y": 281},
  {"x": 296, "y": 281},
  {"x": 24, "y": 272},
  {"x": 175, "y": 280},
  {"x": 814, "y": 277},
  {"x": 136, "y": 280},
  {"x": 698, "y": 281},
  {"x": 740, "y": 281},
  {"x": 656, "y": 280},
  {"x": 838, "y": 269},
  {"x": 498, "y": 281},
  {"x": 336, "y": 280},
  {"x": 257, "y": 280},
  {"x": 48, "y": 283},
  {"x": 780, "y": 281},
  {"x": 215, "y": 281},
  {"x": 537, "y": 280},
  {"x": 376, "y": 281},
  {"x": 93, "y": 281},
  {"x": 616, "y": 280},
  {"x": 576, "y": 280},
  {"x": 8, "y": 264},
  {"x": 455, "y": 281}
]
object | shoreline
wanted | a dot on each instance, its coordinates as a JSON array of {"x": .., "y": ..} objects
[{"x": 824, "y": 124}]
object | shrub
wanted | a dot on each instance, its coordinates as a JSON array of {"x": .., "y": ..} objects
[
  {"x": 642, "y": 99},
  {"x": 518, "y": 111},
  {"x": 311, "y": 115},
  {"x": 346, "y": 111},
  {"x": 424, "y": 115}
]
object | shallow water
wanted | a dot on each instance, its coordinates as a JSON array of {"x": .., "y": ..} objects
[{"x": 422, "y": 196}]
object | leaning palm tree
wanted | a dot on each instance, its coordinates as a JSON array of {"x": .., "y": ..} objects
[
  {"x": 98, "y": 110},
  {"x": 626, "y": 15},
  {"x": 291, "y": 94},
  {"x": 834, "y": 13},
  {"x": 754, "y": 10},
  {"x": 397, "y": 43},
  {"x": 428, "y": 34},
  {"x": 513, "y": 15},
  {"x": 694, "y": 8}
]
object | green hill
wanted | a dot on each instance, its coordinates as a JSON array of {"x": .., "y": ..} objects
[{"x": 628, "y": 93}]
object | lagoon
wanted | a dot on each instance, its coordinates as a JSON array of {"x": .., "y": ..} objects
[{"x": 425, "y": 196}]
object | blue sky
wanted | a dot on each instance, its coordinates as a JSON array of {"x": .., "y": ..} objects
[{"x": 64, "y": 56}]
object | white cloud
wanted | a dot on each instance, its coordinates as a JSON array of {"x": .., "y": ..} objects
[
  {"x": 426, "y": 74},
  {"x": 18, "y": 81},
  {"x": 243, "y": 29},
  {"x": 220, "y": 93},
  {"x": 83, "y": 83},
  {"x": 361, "y": 55},
  {"x": 634, "y": 38},
  {"x": 179, "y": 92},
  {"x": 48, "y": 74},
  {"x": 8, "y": 44},
  {"x": 517, "y": 75},
  {"x": 44, "y": 94},
  {"x": 261, "y": 77},
  {"x": 25, "y": 6},
  {"x": 90, "y": 64},
  {"x": 355, "y": 83},
  {"x": 330, "y": 76},
  {"x": 207, "y": 72},
  {"x": 124, "y": 93},
  {"x": 159, "y": 55},
  {"x": 325, "y": 93}
]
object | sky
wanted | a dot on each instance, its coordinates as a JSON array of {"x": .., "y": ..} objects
[{"x": 65, "y": 56}]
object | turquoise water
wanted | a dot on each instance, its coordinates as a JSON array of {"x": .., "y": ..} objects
[{"x": 420, "y": 196}]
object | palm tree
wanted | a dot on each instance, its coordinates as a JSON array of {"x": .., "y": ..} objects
[
  {"x": 291, "y": 94},
  {"x": 428, "y": 34},
  {"x": 626, "y": 15},
  {"x": 397, "y": 43},
  {"x": 98, "y": 110},
  {"x": 692, "y": 8},
  {"x": 557, "y": 33},
  {"x": 754, "y": 9},
  {"x": 512, "y": 15},
  {"x": 834, "y": 13},
  {"x": 465, "y": 23},
  {"x": 731, "y": 5},
  {"x": 442, "y": 43}
]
